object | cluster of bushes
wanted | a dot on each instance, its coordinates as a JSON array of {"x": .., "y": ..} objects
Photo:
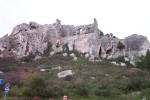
[
  {"x": 106, "y": 81},
  {"x": 144, "y": 61},
  {"x": 120, "y": 46}
]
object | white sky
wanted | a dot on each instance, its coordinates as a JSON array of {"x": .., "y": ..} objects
[{"x": 120, "y": 17}]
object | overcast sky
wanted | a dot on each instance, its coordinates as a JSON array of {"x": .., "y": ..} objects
[{"x": 120, "y": 17}]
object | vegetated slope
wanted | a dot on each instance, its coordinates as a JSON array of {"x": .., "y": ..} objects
[{"x": 90, "y": 79}]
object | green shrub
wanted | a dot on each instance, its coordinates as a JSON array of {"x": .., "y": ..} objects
[
  {"x": 16, "y": 92},
  {"x": 146, "y": 93},
  {"x": 120, "y": 45},
  {"x": 144, "y": 61},
  {"x": 106, "y": 91},
  {"x": 36, "y": 86},
  {"x": 120, "y": 59},
  {"x": 48, "y": 49},
  {"x": 68, "y": 78},
  {"x": 82, "y": 90}
]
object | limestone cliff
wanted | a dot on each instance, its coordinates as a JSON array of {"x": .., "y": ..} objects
[{"x": 32, "y": 38}]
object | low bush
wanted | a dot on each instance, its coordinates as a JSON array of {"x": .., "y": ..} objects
[
  {"x": 120, "y": 45},
  {"x": 144, "y": 61},
  {"x": 146, "y": 93},
  {"x": 81, "y": 89}
]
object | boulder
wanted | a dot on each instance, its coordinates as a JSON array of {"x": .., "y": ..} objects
[
  {"x": 64, "y": 54},
  {"x": 52, "y": 53},
  {"x": 43, "y": 70},
  {"x": 72, "y": 55},
  {"x": 1, "y": 72},
  {"x": 37, "y": 57},
  {"x": 122, "y": 64},
  {"x": 64, "y": 73},
  {"x": 71, "y": 45},
  {"x": 115, "y": 63},
  {"x": 136, "y": 45},
  {"x": 75, "y": 58},
  {"x": 87, "y": 55}
]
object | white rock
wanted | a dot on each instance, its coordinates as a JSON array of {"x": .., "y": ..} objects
[
  {"x": 64, "y": 73},
  {"x": 57, "y": 68},
  {"x": 70, "y": 45},
  {"x": 43, "y": 70},
  {"x": 87, "y": 55},
  {"x": 109, "y": 57},
  {"x": 132, "y": 63},
  {"x": 64, "y": 54},
  {"x": 59, "y": 49},
  {"x": 126, "y": 59},
  {"x": 75, "y": 58},
  {"x": 123, "y": 76},
  {"x": 91, "y": 58},
  {"x": 54, "y": 47},
  {"x": 122, "y": 64},
  {"x": 52, "y": 53},
  {"x": 98, "y": 60},
  {"x": 92, "y": 78},
  {"x": 72, "y": 55},
  {"x": 135, "y": 69},
  {"x": 1, "y": 72},
  {"x": 113, "y": 62},
  {"x": 37, "y": 57}
]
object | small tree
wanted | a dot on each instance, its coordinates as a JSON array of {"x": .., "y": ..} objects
[
  {"x": 120, "y": 46},
  {"x": 48, "y": 49},
  {"x": 144, "y": 61}
]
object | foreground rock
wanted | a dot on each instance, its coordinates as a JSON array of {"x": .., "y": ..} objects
[{"x": 65, "y": 73}]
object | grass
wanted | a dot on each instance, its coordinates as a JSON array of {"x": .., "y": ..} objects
[{"x": 92, "y": 80}]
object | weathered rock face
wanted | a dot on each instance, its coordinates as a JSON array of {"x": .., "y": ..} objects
[
  {"x": 4, "y": 46},
  {"x": 33, "y": 39},
  {"x": 26, "y": 40},
  {"x": 136, "y": 45}
]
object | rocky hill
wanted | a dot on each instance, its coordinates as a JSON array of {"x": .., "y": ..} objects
[{"x": 34, "y": 40}]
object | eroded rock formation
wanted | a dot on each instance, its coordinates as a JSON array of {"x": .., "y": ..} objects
[{"x": 33, "y": 39}]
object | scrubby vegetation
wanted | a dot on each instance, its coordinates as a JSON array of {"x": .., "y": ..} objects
[
  {"x": 91, "y": 81},
  {"x": 120, "y": 45},
  {"x": 144, "y": 61}
]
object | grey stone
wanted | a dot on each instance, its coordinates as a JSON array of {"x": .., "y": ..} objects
[
  {"x": 126, "y": 59},
  {"x": 52, "y": 53},
  {"x": 1, "y": 72},
  {"x": 71, "y": 45},
  {"x": 37, "y": 57},
  {"x": 64, "y": 54},
  {"x": 132, "y": 63},
  {"x": 136, "y": 45},
  {"x": 91, "y": 58},
  {"x": 122, "y": 64},
  {"x": 75, "y": 58},
  {"x": 87, "y": 55},
  {"x": 64, "y": 73},
  {"x": 57, "y": 68},
  {"x": 115, "y": 63},
  {"x": 43, "y": 70},
  {"x": 72, "y": 55}
]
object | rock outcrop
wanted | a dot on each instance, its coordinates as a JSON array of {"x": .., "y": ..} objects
[
  {"x": 136, "y": 45},
  {"x": 33, "y": 39}
]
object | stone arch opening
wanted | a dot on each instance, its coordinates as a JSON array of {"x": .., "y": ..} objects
[{"x": 109, "y": 51}]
